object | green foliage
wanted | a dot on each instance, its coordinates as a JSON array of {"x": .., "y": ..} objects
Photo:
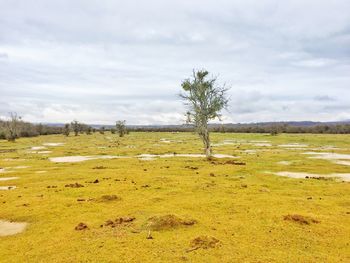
[
  {"x": 121, "y": 128},
  {"x": 205, "y": 100},
  {"x": 66, "y": 129},
  {"x": 75, "y": 127}
]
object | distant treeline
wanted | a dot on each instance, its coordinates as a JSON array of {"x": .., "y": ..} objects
[
  {"x": 26, "y": 129},
  {"x": 272, "y": 128},
  {"x": 14, "y": 127}
]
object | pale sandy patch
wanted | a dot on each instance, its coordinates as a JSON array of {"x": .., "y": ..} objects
[
  {"x": 263, "y": 144},
  {"x": 293, "y": 145},
  {"x": 53, "y": 144},
  {"x": 300, "y": 175},
  {"x": 8, "y": 187},
  {"x": 285, "y": 162},
  {"x": 328, "y": 156},
  {"x": 11, "y": 228},
  {"x": 8, "y": 178},
  {"x": 75, "y": 159},
  {"x": 20, "y": 167},
  {"x": 34, "y": 148},
  {"x": 2, "y": 170},
  {"x": 40, "y": 172},
  {"x": 347, "y": 163},
  {"x": 189, "y": 155},
  {"x": 44, "y": 152}
]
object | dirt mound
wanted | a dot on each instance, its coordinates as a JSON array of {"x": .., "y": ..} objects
[
  {"x": 81, "y": 226},
  {"x": 166, "y": 222},
  {"x": 301, "y": 219},
  {"x": 119, "y": 221},
  {"x": 76, "y": 185},
  {"x": 204, "y": 242},
  {"x": 108, "y": 198}
]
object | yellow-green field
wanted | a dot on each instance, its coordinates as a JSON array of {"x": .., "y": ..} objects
[{"x": 242, "y": 203}]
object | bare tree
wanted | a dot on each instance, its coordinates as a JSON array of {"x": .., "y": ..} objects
[
  {"x": 205, "y": 101},
  {"x": 121, "y": 128},
  {"x": 12, "y": 126},
  {"x": 66, "y": 129}
]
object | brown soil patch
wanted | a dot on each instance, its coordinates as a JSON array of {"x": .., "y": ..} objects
[
  {"x": 301, "y": 219},
  {"x": 167, "y": 222},
  {"x": 204, "y": 242},
  {"x": 99, "y": 167},
  {"x": 125, "y": 221},
  {"x": 108, "y": 198},
  {"x": 81, "y": 226},
  {"x": 76, "y": 185},
  {"x": 232, "y": 162},
  {"x": 191, "y": 167}
]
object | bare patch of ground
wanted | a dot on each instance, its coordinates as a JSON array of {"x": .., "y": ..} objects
[
  {"x": 328, "y": 156},
  {"x": 35, "y": 148},
  {"x": 303, "y": 220},
  {"x": 204, "y": 242},
  {"x": 8, "y": 178},
  {"x": 81, "y": 226},
  {"x": 263, "y": 144},
  {"x": 44, "y": 152},
  {"x": 119, "y": 221},
  {"x": 293, "y": 145},
  {"x": 4, "y": 188},
  {"x": 75, "y": 159},
  {"x": 347, "y": 163},
  {"x": 337, "y": 158},
  {"x": 109, "y": 198},
  {"x": 300, "y": 175},
  {"x": 40, "y": 172},
  {"x": 21, "y": 167},
  {"x": 11, "y": 228},
  {"x": 53, "y": 144},
  {"x": 75, "y": 185},
  {"x": 167, "y": 222},
  {"x": 285, "y": 162}
]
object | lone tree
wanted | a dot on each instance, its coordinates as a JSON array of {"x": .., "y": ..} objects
[
  {"x": 205, "y": 100},
  {"x": 12, "y": 127},
  {"x": 89, "y": 130},
  {"x": 121, "y": 128},
  {"x": 66, "y": 129},
  {"x": 75, "y": 127}
]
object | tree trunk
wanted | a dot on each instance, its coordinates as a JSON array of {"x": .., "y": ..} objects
[{"x": 206, "y": 141}]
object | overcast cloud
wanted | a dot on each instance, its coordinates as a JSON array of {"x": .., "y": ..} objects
[{"x": 101, "y": 61}]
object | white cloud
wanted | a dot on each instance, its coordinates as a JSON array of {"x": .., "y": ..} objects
[{"x": 107, "y": 60}]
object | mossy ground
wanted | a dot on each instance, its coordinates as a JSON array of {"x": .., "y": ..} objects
[{"x": 240, "y": 205}]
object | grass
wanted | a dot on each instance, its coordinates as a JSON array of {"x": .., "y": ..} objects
[{"x": 242, "y": 206}]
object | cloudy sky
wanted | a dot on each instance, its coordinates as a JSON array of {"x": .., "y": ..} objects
[{"x": 100, "y": 61}]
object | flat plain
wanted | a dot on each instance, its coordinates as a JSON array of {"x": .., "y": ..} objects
[{"x": 153, "y": 197}]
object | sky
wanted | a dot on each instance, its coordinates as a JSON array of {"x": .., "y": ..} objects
[{"x": 98, "y": 61}]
